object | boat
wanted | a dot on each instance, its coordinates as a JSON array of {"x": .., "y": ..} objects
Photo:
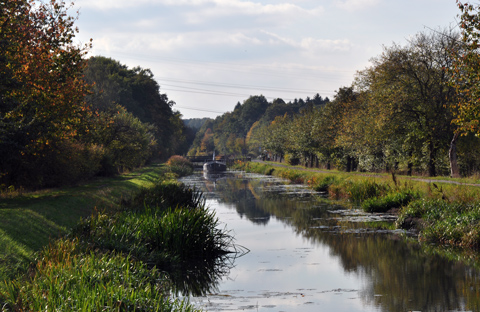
[{"x": 214, "y": 166}]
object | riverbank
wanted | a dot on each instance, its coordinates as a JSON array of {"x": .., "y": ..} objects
[
  {"x": 442, "y": 213},
  {"x": 126, "y": 243}
]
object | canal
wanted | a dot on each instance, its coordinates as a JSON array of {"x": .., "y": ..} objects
[{"x": 300, "y": 252}]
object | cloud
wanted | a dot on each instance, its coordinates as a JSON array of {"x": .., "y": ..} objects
[
  {"x": 352, "y": 5},
  {"x": 201, "y": 10},
  {"x": 312, "y": 44}
]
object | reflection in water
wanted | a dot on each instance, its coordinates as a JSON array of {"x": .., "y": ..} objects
[
  {"x": 303, "y": 247},
  {"x": 201, "y": 278}
]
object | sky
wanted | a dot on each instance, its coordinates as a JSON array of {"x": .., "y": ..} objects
[{"x": 208, "y": 55}]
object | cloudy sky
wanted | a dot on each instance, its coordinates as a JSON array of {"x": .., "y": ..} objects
[{"x": 207, "y": 55}]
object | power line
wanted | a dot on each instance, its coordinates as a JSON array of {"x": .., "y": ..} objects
[
  {"x": 201, "y": 110},
  {"x": 237, "y": 86}
]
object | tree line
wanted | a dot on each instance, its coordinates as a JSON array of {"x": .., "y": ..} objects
[
  {"x": 239, "y": 133},
  {"x": 66, "y": 118},
  {"x": 414, "y": 110}
]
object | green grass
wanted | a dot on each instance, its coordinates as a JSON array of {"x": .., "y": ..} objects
[
  {"x": 68, "y": 278},
  {"x": 31, "y": 220}
]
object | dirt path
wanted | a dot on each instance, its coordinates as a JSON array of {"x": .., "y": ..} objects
[{"x": 366, "y": 175}]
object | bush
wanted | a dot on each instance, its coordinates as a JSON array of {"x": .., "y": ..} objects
[
  {"x": 292, "y": 160},
  {"x": 130, "y": 143},
  {"x": 180, "y": 165}
]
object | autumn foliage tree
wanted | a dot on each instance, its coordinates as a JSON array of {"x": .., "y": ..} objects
[
  {"x": 466, "y": 70},
  {"x": 41, "y": 91}
]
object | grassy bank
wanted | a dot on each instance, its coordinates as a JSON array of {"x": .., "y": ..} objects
[
  {"x": 443, "y": 213},
  {"x": 30, "y": 220},
  {"x": 146, "y": 237}
]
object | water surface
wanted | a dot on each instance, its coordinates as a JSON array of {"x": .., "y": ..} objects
[{"x": 306, "y": 254}]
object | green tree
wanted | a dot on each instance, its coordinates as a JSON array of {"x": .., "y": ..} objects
[
  {"x": 137, "y": 91},
  {"x": 412, "y": 82}
]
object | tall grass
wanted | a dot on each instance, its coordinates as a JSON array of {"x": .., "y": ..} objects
[
  {"x": 68, "y": 279},
  {"x": 165, "y": 194},
  {"x": 397, "y": 199}
]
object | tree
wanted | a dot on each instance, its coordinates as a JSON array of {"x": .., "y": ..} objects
[
  {"x": 412, "y": 81},
  {"x": 41, "y": 90},
  {"x": 466, "y": 71},
  {"x": 137, "y": 91}
]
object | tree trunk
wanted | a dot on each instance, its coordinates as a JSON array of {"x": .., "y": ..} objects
[
  {"x": 452, "y": 155},
  {"x": 432, "y": 170},
  {"x": 349, "y": 164}
]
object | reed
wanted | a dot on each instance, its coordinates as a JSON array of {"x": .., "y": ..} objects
[{"x": 165, "y": 194}]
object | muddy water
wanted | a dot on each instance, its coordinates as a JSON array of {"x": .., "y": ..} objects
[{"x": 306, "y": 254}]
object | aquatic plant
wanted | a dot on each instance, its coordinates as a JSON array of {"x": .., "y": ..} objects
[
  {"x": 172, "y": 231},
  {"x": 321, "y": 183},
  {"x": 130, "y": 259},
  {"x": 360, "y": 190}
]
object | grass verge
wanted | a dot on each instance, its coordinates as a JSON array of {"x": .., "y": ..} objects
[{"x": 31, "y": 220}]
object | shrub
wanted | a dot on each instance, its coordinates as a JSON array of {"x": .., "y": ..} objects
[
  {"x": 180, "y": 165},
  {"x": 292, "y": 159}
]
